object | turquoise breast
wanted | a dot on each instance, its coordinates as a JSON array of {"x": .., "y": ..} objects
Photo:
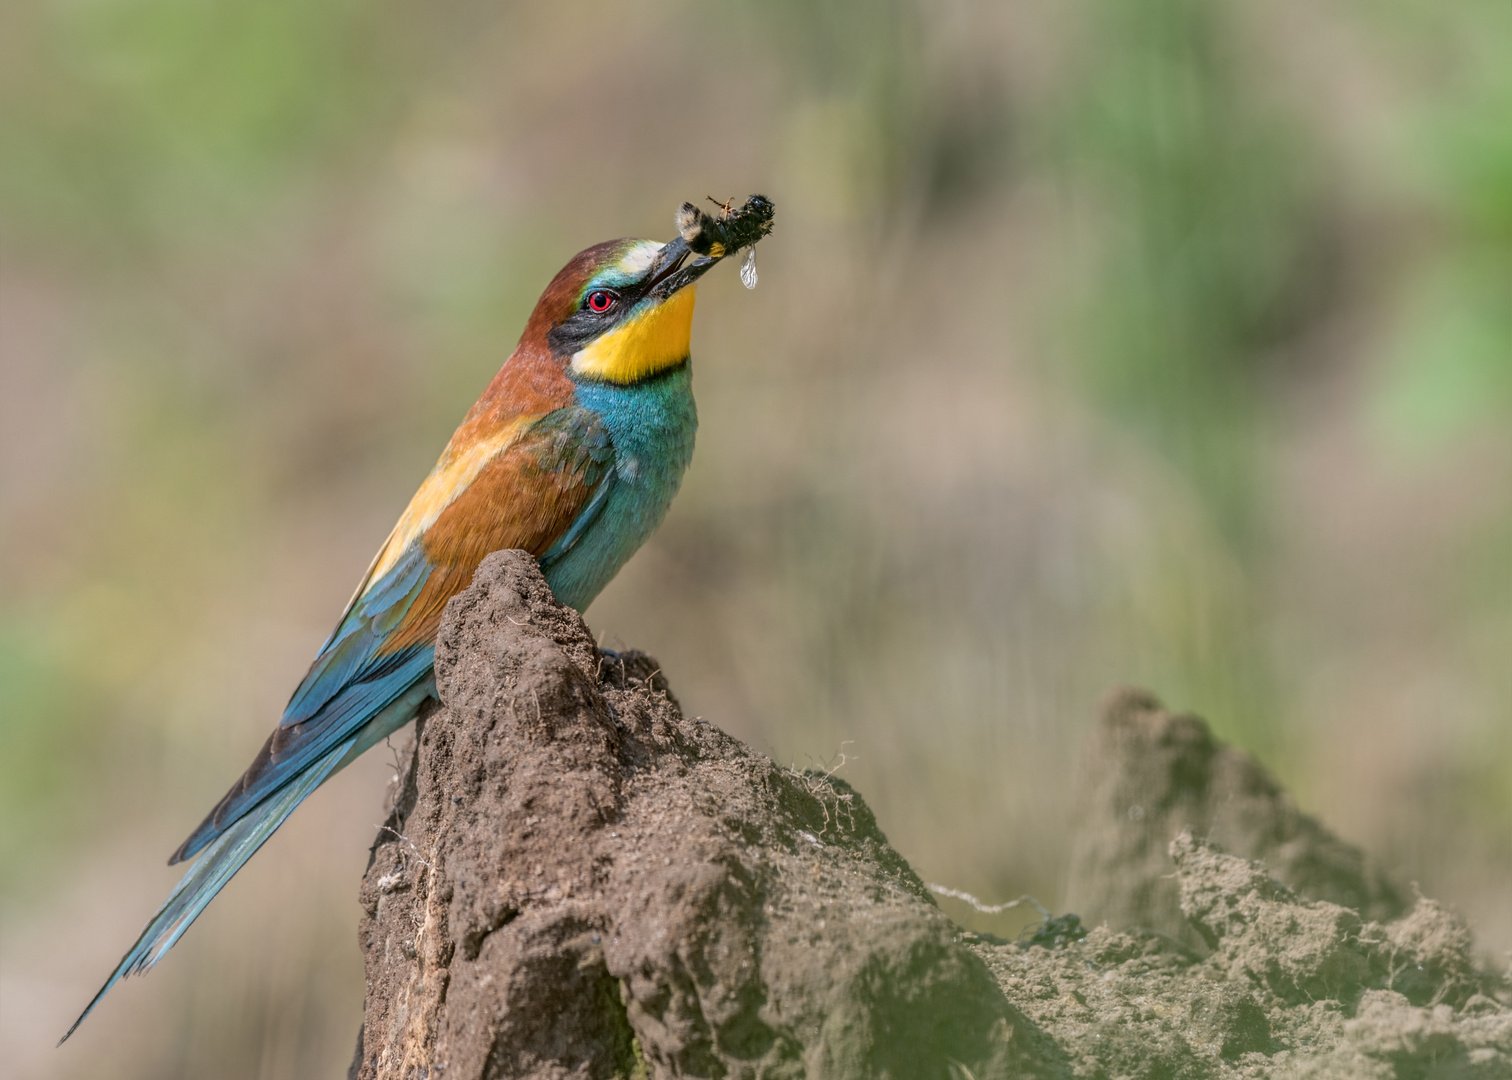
[{"x": 652, "y": 424}]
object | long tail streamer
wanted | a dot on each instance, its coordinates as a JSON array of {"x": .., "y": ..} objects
[{"x": 211, "y": 871}]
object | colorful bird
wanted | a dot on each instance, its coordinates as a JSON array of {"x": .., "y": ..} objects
[{"x": 573, "y": 453}]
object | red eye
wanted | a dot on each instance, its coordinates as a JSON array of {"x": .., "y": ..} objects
[{"x": 600, "y": 301}]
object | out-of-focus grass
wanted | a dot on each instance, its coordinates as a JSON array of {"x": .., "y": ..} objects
[
  {"x": 1209, "y": 252},
  {"x": 1449, "y": 364},
  {"x": 47, "y": 745},
  {"x": 1157, "y": 342},
  {"x": 169, "y": 122}
]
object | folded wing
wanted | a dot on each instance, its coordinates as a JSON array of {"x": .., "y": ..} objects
[{"x": 537, "y": 491}]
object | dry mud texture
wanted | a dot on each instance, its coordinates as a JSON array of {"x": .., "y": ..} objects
[
  {"x": 578, "y": 881},
  {"x": 1147, "y": 775}
]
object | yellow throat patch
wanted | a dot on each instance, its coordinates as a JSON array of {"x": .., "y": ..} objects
[{"x": 649, "y": 343}]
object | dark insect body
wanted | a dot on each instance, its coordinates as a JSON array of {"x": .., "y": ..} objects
[{"x": 716, "y": 237}]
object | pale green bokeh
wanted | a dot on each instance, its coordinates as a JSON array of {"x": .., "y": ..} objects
[{"x": 1161, "y": 342}]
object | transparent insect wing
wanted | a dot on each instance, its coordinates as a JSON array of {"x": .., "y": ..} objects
[{"x": 748, "y": 268}]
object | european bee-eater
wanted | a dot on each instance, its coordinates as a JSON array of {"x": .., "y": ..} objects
[{"x": 573, "y": 453}]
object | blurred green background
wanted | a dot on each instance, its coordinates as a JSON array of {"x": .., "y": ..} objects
[{"x": 1100, "y": 341}]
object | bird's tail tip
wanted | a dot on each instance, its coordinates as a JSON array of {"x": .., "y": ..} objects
[
  {"x": 208, "y": 875},
  {"x": 75, "y": 1025},
  {"x": 160, "y": 933}
]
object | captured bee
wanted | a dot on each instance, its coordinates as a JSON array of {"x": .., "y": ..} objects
[
  {"x": 734, "y": 228},
  {"x": 717, "y": 237}
]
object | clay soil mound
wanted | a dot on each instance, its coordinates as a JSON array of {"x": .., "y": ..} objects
[{"x": 578, "y": 881}]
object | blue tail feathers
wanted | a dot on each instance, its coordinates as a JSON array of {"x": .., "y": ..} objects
[{"x": 215, "y": 866}]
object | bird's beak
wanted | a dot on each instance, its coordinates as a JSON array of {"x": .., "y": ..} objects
[{"x": 674, "y": 269}]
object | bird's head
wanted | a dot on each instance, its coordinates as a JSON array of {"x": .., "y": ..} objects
[{"x": 622, "y": 311}]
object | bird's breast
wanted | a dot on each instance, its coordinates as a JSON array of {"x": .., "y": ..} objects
[{"x": 652, "y": 426}]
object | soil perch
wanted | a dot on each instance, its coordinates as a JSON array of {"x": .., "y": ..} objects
[{"x": 578, "y": 881}]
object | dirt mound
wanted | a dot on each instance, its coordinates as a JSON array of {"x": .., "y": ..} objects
[
  {"x": 578, "y": 881},
  {"x": 1292, "y": 987},
  {"x": 1148, "y": 774}
]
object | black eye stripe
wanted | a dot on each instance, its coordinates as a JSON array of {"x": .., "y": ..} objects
[{"x": 588, "y": 322}]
